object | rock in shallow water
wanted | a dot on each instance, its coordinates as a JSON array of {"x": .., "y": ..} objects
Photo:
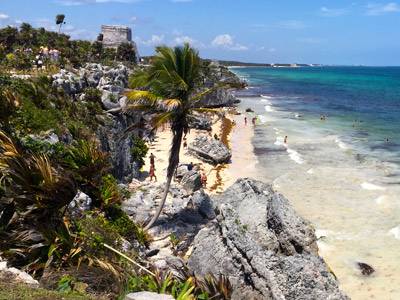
[
  {"x": 365, "y": 268},
  {"x": 263, "y": 246}
]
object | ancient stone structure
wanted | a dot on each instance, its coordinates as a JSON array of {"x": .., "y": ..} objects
[{"x": 115, "y": 35}]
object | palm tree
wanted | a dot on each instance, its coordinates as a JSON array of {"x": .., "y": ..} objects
[
  {"x": 172, "y": 93},
  {"x": 60, "y": 20}
]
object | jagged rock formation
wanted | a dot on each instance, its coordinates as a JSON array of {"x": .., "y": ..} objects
[
  {"x": 263, "y": 246},
  {"x": 110, "y": 81},
  {"x": 114, "y": 141},
  {"x": 210, "y": 150},
  {"x": 220, "y": 97}
]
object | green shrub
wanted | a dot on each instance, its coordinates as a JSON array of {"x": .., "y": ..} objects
[
  {"x": 127, "y": 228},
  {"x": 110, "y": 192},
  {"x": 96, "y": 230},
  {"x": 139, "y": 150}
]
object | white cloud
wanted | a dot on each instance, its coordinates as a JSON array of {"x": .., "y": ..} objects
[
  {"x": 4, "y": 16},
  {"x": 224, "y": 40},
  {"x": 332, "y": 12},
  {"x": 155, "y": 40},
  {"x": 227, "y": 41},
  {"x": 182, "y": 39},
  {"x": 374, "y": 9}
]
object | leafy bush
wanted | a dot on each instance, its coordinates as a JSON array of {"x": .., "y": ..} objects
[
  {"x": 139, "y": 150},
  {"x": 125, "y": 226},
  {"x": 184, "y": 286},
  {"x": 110, "y": 192}
]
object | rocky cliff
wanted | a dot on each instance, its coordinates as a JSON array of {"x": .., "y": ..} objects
[
  {"x": 250, "y": 233},
  {"x": 263, "y": 246}
]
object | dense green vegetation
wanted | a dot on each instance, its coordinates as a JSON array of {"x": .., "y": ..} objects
[
  {"x": 39, "y": 177},
  {"x": 19, "y": 48}
]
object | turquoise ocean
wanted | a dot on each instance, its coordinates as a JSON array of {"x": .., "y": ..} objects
[{"x": 342, "y": 172}]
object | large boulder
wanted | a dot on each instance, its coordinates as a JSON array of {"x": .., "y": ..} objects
[
  {"x": 210, "y": 150},
  {"x": 263, "y": 246},
  {"x": 13, "y": 275},
  {"x": 191, "y": 181}
]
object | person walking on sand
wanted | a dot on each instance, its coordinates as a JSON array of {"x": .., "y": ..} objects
[
  {"x": 245, "y": 120},
  {"x": 285, "y": 140},
  {"x": 152, "y": 158},
  {"x": 152, "y": 173},
  {"x": 254, "y": 120},
  {"x": 184, "y": 143}
]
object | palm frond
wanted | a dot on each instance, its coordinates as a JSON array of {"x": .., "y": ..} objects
[
  {"x": 142, "y": 97},
  {"x": 171, "y": 104}
]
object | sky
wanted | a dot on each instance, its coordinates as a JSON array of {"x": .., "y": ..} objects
[{"x": 268, "y": 31}]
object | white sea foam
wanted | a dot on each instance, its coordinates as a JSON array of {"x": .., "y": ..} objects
[
  {"x": 262, "y": 119},
  {"x": 280, "y": 141},
  {"x": 311, "y": 171},
  {"x": 395, "y": 232},
  {"x": 341, "y": 144},
  {"x": 268, "y": 108},
  {"x": 372, "y": 187},
  {"x": 266, "y": 97},
  {"x": 380, "y": 199},
  {"x": 295, "y": 156}
]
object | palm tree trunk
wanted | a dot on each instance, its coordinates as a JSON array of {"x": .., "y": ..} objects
[{"x": 172, "y": 164}]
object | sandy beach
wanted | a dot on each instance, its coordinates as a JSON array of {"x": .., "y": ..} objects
[{"x": 232, "y": 131}]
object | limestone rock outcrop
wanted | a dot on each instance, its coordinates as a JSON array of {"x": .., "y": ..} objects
[{"x": 263, "y": 246}]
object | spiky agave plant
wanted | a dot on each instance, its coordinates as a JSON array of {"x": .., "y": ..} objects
[
  {"x": 172, "y": 93},
  {"x": 34, "y": 194}
]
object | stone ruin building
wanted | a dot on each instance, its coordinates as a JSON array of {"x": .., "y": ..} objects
[{"x": 115, "y": 35}]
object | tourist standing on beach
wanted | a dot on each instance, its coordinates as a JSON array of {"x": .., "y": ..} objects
[
  {"x": 184, "y": 143},
  {"x": 245, "y": 120},
  {"x": 152, "y": 158},
  {"x": 152, "y": 173},
  {"x": 285, "y": 140}
]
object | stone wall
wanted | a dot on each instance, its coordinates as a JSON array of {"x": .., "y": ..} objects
[{"x": 114, "y": 35}]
